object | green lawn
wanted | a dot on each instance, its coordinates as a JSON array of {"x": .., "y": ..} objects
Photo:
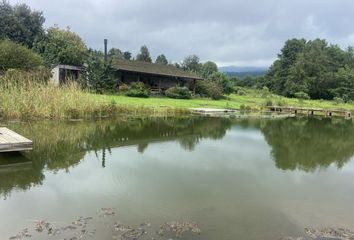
[{"x": 253, "y": 100}]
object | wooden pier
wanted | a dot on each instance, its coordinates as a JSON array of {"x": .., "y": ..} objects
[
  {"x": 312, "y": 111},
  {"x": 12, "y": 142},
  {"x": 211, "y": 110}
]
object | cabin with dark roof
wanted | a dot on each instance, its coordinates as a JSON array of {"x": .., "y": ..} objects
[{"x": 157, "y": 76}]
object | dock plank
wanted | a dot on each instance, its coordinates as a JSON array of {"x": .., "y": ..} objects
[{"x": 11, "y": 141}]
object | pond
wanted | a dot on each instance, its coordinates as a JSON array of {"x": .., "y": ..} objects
[{"x": 250, "y": 179}]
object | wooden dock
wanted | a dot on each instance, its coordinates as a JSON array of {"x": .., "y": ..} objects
[
  {"x": 12, "y": 142},
  {"x": 211, "y": 110},
  {"x": 312, "y": 111}
]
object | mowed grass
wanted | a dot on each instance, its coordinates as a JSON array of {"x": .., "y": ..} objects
[{"x": 252, "y": 100}]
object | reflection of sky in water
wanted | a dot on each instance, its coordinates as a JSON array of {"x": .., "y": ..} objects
[{"x": 231, "y": 186}]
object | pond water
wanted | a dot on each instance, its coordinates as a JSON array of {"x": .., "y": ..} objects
[{"x": 244, "y": 179}]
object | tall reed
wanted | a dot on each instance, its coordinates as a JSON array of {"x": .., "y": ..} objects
[{"x": 25, "y": 95}]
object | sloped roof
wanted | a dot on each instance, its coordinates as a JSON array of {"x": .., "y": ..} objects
[{"x": 152, "y": 68}]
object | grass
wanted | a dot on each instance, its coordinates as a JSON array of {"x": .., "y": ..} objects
[
  {"x": 253, "y": 100},
  {"x": 31, "y": 98}
]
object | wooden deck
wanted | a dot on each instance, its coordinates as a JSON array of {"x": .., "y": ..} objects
[
  {"x": 312, "y": 111},
  {"x": 211, "y": 111},
  {"x": 11, "y": 141}
]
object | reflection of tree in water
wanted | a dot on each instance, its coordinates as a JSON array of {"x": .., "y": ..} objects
[
  {"x": 17, "y": 172},
  {"x": 62, "y": 145},
  {"x": 310, "y": 143}
]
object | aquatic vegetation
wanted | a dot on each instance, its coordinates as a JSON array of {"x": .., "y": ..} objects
[
  {"x": 179, "y": 228},
  {"x": 330, "y": 233},
  {"x": 325, "y": 234},
  {"x": 82, "y": 227},
  {"x": 104, "y": 212},
  {"x": 24, "y": 233},
  {"x": 124, "y": 232}
]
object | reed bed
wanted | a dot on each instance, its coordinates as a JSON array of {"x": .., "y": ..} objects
[{"x": 29, "y": 96}]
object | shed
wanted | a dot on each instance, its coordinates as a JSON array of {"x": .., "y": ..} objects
[
  {"x": 157, "y": 76},
  {"x": 61, "y": 73}
]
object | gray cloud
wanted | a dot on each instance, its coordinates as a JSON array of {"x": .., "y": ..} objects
[{"x": 230, "y": 32}]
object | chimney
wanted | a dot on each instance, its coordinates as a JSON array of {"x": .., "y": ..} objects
[{"x": 105, "y": 49}]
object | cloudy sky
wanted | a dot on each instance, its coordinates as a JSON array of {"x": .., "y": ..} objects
[{"x": 229, "y": 32}]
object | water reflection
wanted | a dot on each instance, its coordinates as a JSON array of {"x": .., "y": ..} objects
[
  {"x": 305, "y": 144},
  {"x": 310, "y": 143},
  {"x": 62, "y": 145},
  {"x": 17, "y": 171}
]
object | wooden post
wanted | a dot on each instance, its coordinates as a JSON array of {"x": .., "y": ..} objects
[
  {"x": 194, "y": 83},
  {"x": 159, "y": 85}
]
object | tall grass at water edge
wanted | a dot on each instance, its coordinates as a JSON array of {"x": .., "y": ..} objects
[{"x": 26, "y": 95}]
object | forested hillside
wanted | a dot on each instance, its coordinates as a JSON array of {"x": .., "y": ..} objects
[{"x": 313, "y": 69}]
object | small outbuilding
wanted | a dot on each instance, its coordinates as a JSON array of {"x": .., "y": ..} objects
[
  {"x": 62, "y": 73},
  {"x": 158, "y": 77}
]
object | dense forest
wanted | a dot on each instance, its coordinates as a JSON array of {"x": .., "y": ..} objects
[{"x": 308, "y": 69}]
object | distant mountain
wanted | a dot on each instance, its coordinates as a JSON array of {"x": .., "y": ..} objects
[{"x": 233, "y": 71}]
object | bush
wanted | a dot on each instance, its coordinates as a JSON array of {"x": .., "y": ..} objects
[
  {"x": 302, "y": 95},
  {"x": 16, "y": 56},
  {"x": 281, "y": 102},
  {"x": 123, "y": 87},
  {"x": 265, "y": 92},
  {"x": 245, "y": 108},
  {"x": 241, "y": 92},
  {"x": 210, "y": 89},
  {"x": 178, "y": 92},
  {"x": 268, "y": 102},
  {"x": 338, "y": 100},
  {"x": 138, "y": 89},
  {"x": 221, "y": 79}
]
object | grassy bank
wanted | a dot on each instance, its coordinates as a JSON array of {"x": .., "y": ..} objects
[
  {"x": 30, "y": 98},
  {"x": 252, "y": 100}
]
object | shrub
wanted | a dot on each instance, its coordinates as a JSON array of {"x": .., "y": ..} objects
[
  {"x": 302, "y": 95},
  {"x": 281, "y": 102},
  {"x": 178, "y": 92},
  {"x": 210, "y": 89},
  {"x": 123, "y": 87},
  {"x": 265, "y": 92},
  {"x": 244, "y": 108},
  {"x": 16, "y": 56},
  {"x": 268, "y": 102},
  {"x": 338, "y": 100},
  {"x": 138, "y": 89},
  {"x": 241, "y": 92},
  {"x": 222, "y": 80}
]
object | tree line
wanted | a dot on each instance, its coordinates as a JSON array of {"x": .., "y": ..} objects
[
  {"x": 25, "y": 44},
  {"x": 309, "y": 69},
  {"x": 304, "y": 69}
]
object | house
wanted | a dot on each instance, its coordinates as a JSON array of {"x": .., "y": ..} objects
[
  {"x": 62, "y": 73},
  {"x": 157, "y": 76}
]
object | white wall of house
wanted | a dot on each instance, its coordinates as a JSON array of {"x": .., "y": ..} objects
[{"x": 55, "y": 76}]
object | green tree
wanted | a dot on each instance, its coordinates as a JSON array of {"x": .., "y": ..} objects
[
  {"x": 313, "y": 67},
  {"x": 208, "y": 68},
  {"x": 127, "y": 55},
  {"x": 61, "y": 46},
  {"x": 99, "y": 75},
  {"x": 115, "y": 53},
  {"x": 345, "y": 88},
  {"x": 221, "y": 79},
  {"x": 161, "y": 59},
  {"x": 14, "y": 55},
  {"x": 191, "y": 63},
  {"x": 20, "y": 23},
  {"x": 144, "y": 55}
]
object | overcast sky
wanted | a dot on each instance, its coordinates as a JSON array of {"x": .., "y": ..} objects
[{"x": 229, "y": 32}]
